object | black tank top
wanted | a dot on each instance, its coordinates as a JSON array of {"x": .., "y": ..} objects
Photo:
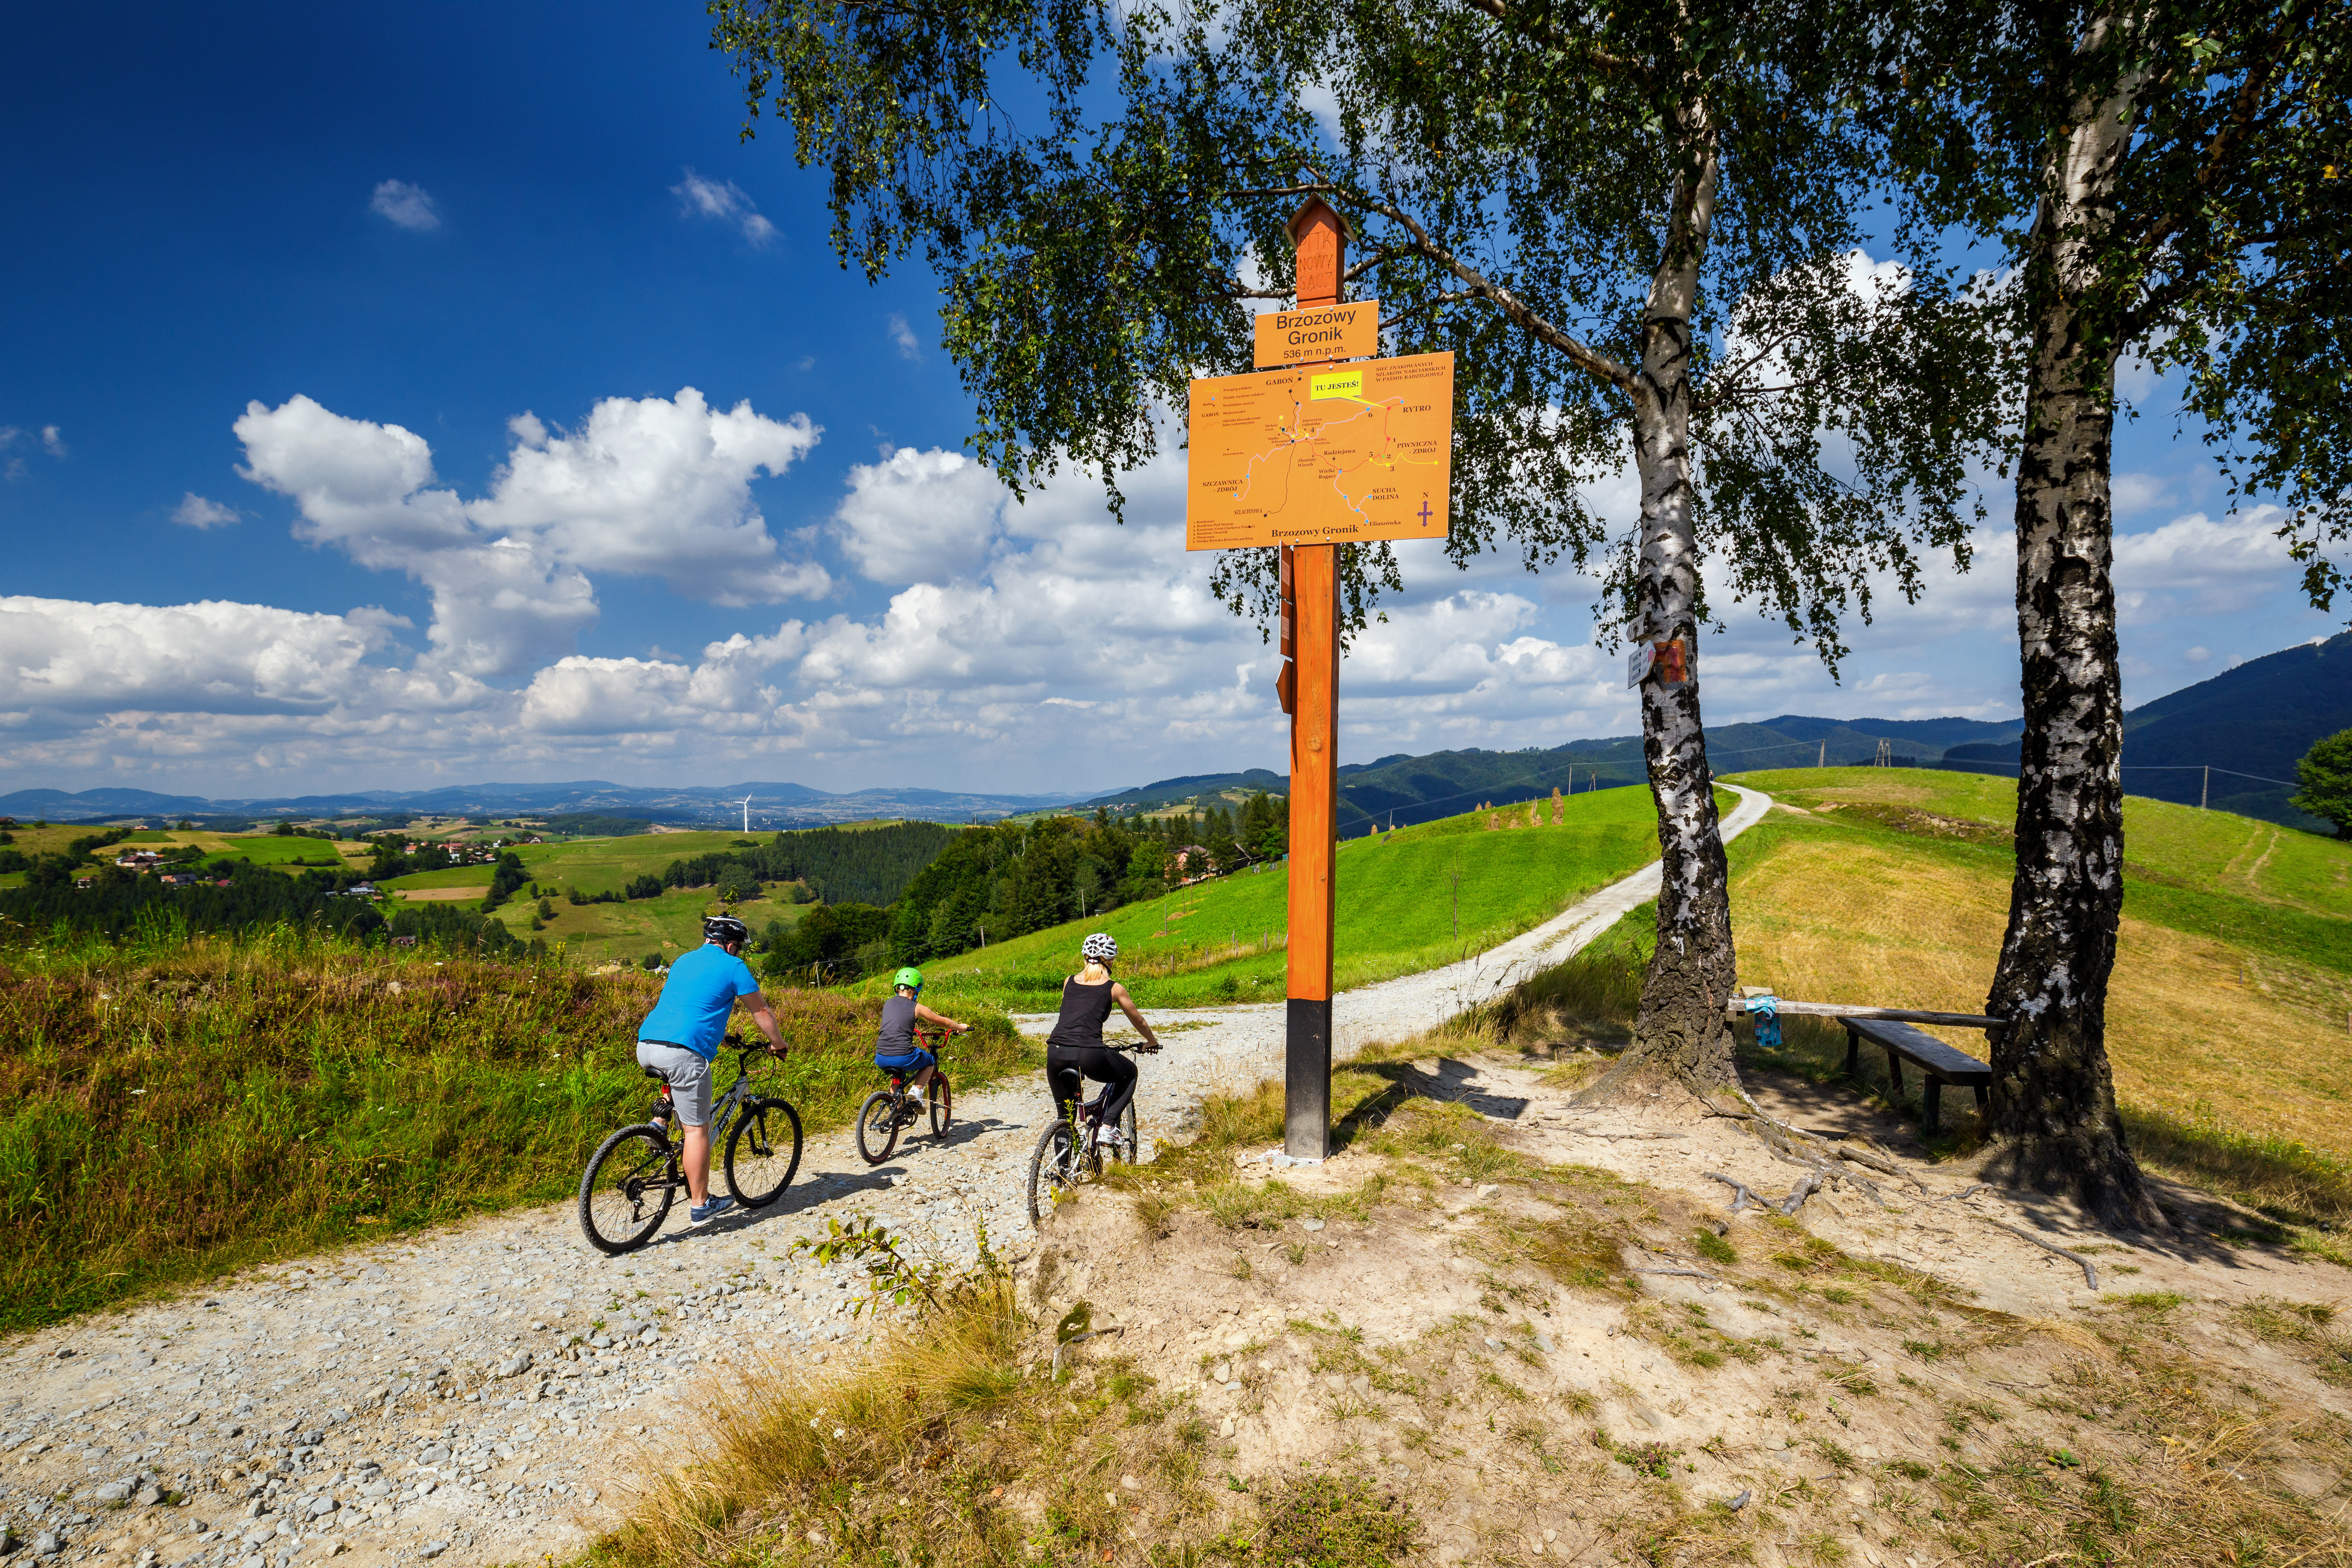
[
  {"x": 896, "y": 1037},
  {"x": 1084, "y": 1009}
]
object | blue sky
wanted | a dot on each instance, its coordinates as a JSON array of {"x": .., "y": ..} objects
[{"x": 247, "y": 242}]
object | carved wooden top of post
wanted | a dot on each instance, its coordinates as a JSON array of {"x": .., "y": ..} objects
[{"x": 1321, "y": 234}]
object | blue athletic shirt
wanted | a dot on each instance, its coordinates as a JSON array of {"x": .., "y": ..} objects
[{"x": 696, "y": 999}]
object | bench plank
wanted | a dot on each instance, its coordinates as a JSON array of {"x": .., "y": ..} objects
[
  {"x": 1938, "y": 1063},
  {"x": 1934, "y": 1057}
]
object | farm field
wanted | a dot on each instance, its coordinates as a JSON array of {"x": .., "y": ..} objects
[
  {"x": 259, "y": 848},
  {"x": 598, "y": 933},
  {"x": 591, "y": 864},
  {"x": 1400, "y": 899}
]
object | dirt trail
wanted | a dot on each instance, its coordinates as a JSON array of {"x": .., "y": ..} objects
[
  {"x": 432, "y": 1398},
  {"x": 1781, "y": 1395}
]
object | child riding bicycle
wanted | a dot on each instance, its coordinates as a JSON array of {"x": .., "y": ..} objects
[{"x": 895, "y": 1049}]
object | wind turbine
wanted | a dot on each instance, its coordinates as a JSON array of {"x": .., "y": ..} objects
[{"x": 746, "y": 816}]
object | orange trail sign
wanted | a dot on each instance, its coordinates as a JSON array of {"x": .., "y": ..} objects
[
  {"x": 1320, "y": 332},
  {"x": 1338, "y": 455}
]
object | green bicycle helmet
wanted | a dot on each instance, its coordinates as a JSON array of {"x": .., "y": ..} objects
[{"x": 909, "y": 976}]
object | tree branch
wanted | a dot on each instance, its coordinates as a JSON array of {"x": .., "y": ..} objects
[
  {"x": 1589, "y": 360},
  {"x": 1543, "y": 33},
  {"x": 2220, "y": 149}
]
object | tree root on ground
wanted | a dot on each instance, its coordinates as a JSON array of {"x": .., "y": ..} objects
[
  {"x": 2090, "y": 1274},
  {"x": 1795, "y": 1146},
  {"x": 1742, "y": 1194},
  {"x": 1883, "y": 1165}
]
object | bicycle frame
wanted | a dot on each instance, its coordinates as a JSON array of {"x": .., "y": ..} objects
[{"x": 722, "y": 1111}]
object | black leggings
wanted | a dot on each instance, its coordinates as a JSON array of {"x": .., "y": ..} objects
[{"x": 1066, "y": 1064}]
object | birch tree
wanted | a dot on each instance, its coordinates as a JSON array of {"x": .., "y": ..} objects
[
  {"x": 2170, "y": 181},
  {"x": 1639, "y": 229}
]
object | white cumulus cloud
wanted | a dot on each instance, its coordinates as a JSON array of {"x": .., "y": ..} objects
[
  {"x": 918, "y": 517},
  {"x": 196, "y": 512},
  {"x": 658, "y": 488},
  {"x": 727, "y": 202},
  {"x": 650, "y": 487},
  {"x": 406, "y": 206},
  {"x": 903, "y": 339}
]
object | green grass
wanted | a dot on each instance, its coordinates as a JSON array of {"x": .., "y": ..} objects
[
  {"x": 2206, "y": 873},
  {"x": 455, "y": 877},
  {"x": 1220, "y": 940},
  {"x": 169, "y": 1115},
  {"x": 598, "y": 933}
]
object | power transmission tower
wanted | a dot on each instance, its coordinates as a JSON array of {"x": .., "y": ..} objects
[
  {"x": 1824, "y": 760},
  {"x": 1885, "y": 758}
]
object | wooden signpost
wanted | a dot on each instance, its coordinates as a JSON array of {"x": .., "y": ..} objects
[{"x": 1310, "y": 456}]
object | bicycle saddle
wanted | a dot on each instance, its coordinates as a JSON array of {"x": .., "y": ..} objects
[{"x": 653, "y": 1073}]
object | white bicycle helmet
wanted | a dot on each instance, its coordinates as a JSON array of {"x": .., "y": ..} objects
[{"x": 1099, "y": 948}]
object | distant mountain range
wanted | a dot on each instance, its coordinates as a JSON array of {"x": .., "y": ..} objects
[
  {"x": 2248, "y": 724},
  {"x": 1400, "y": 790},
  {"x": 773, "y": 805}
]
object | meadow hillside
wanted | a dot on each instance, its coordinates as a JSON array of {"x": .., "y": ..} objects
[
  {"x": 1408, "y": 900},
  {"x": 172, "y": 1112},
  {"x": 2230, "y": 1013}
]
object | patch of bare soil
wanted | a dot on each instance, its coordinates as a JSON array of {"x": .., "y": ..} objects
[{"x": 1591, "y": 1335}]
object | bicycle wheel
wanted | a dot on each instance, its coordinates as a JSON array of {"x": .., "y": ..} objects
[
  {"x": 626, "y": 1191},
  {"x": 878, "y": 1126},
  {"x": 942, "y": 1101},
  {"x": 1052, "y": 1169},
  {"x": 764, "y": 1152}
]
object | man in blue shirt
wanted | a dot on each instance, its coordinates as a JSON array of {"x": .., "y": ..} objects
[{"x": 680, "y": 1037}]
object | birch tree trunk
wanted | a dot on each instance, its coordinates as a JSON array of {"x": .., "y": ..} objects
[
  {"x": 2053, "y": 1096},
  {"x": 1680, "y": 1036}
]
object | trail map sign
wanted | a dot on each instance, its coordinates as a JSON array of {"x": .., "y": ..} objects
[
  {"x": 1320, "y": 332},
  {"x": 1331, "y": 455},
  {"x": 1325, "y": 449}
]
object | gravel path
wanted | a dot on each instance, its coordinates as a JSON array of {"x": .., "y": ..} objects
[{"x": 477, "y": 1395}]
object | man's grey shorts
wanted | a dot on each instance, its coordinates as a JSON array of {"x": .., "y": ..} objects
[{"x": 688, "y": 1076}]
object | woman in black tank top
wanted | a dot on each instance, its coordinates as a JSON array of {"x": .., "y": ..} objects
[{"x": 1074, "y": 1050}]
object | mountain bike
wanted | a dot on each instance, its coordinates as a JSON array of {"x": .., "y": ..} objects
[
  {"x": 637, "y": 1173},
  {"x": 1071, "y": 1149},
  {"x": 887, "y": 1111}
]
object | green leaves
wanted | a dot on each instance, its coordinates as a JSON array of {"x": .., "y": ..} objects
[{"x": 1104, "y": 191}]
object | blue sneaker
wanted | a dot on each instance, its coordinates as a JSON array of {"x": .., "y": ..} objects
[{"x": 711, "y": 1210}]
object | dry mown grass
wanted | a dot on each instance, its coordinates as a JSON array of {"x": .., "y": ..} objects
[
  {"x": 2226, "y": 1063},
  {"x": 955, "y": 1442}
]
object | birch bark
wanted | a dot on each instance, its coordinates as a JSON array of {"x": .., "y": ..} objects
[
  {"x": 1680, "y": 1035},
  {"x": 2052, "y": 1097}
]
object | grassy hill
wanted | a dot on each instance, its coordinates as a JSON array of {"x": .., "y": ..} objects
[
  {"x": 2228, "y": 1012},
  {"x": 1407, "y": 900}
]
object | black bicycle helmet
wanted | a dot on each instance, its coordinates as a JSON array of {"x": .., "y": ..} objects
[{"x": 725, "y": 928}]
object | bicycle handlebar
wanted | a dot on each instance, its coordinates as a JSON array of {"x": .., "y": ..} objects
[{"x": 737, "y": 1043}]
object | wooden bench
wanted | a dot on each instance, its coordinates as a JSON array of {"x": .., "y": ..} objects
[
  {"x": 1938, "y": 1063},
  {"x": 1890, "y": 1029}
]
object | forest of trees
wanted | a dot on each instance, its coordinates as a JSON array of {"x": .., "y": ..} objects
[
  {"x": 118, "y": 904},
  {"x": 995, "y": 883},
  {"x": 840, "y": 865}
]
